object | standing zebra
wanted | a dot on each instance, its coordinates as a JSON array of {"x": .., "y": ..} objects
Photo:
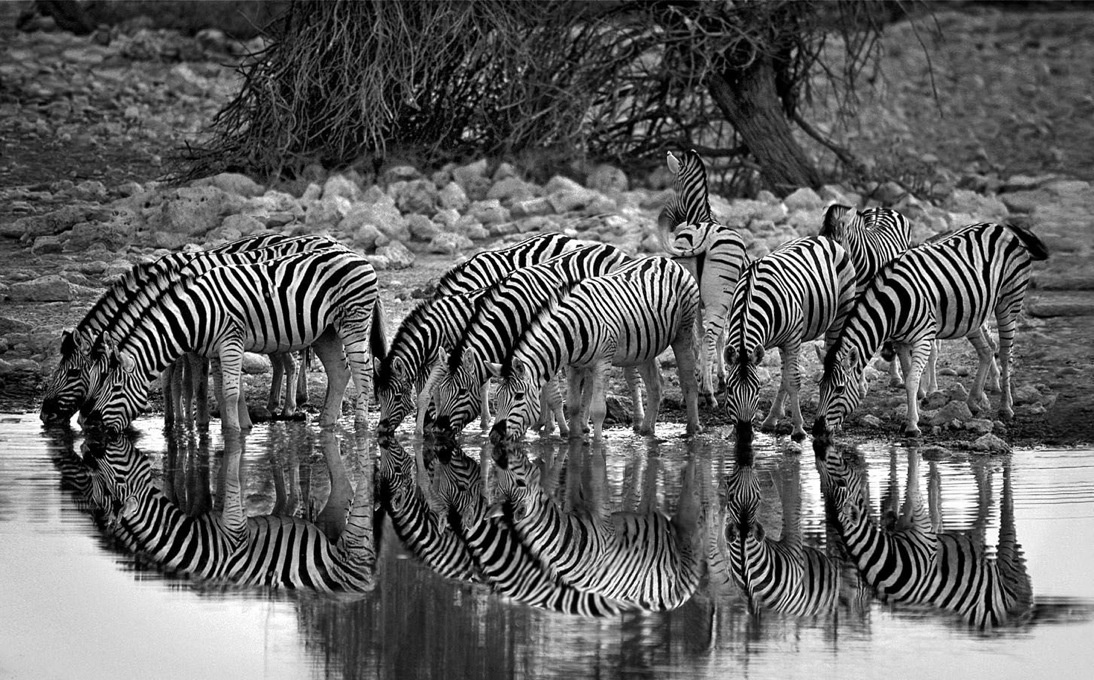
[
  {"x": 229, "y": 547},
  {"x": 327, "y": 299},
  {"x": 626, "y": 318},
  {"x": 799, "y": 292},
  {"x": 642, "y": 559},
  {"x": 504, "y": 562},
  {"x": 914, "y": 561},
  {"x": 501, "y": 315},
  {"x": 714, "y": 254},
  {"x": 124, "y": 304},
  {"x": 941, "y": 290}
]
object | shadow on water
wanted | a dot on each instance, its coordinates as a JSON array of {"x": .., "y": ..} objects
[{"x": 415, "y": 558}]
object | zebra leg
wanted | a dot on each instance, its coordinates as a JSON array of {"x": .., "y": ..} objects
[
  {"x": 684, "y": 352},
  {"x": 797, "y": 432},
  {"x": 302, "y": 377},
  {"x": 273, "y": 403},
  {"x": 598, "y": 389},
  {"x": 920, "y": 352},
  {"x": 788, "y": 356},
  {"x": 288, "y": 362},
  {"x": 329, "y": 350},
  {"x": 993, "y": 384},
  {"x": 484, "y": 406},
  {"x": 930, "y": 372},
  {"x": 977, "y": 400},
  {"x": 1008, "y": 323},
  {"x": 230, "y": 354},
  {"x": 899, "y": 360},
  {"x": 169, "y": 381},
  {"x": 706, "y": 364},
  {"x": 575, "y": 398},
  {"x": 424, "y": 397},
  {"x": 651, "y": 375},
  {"x": 201, "y": 393},
  {"x": 638, "y": 419}
]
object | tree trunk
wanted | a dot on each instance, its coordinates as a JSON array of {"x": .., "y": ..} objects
[{"x": 750, "y": 103}]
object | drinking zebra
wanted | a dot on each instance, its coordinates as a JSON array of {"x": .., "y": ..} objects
[
  {"x": 229, "y": 547},
  {"x": 124, "y": 304},
  {"x": 941, "y": 290},
  {"x": 913, "y": 561},
  {"x": 327, "y": 299},
  {"x": 438, "y": 323},
  {"x": 643, "y": 559},
  {"x": 799, "y": 292},
  {"x": 504, "y": 562},
  {"x": 501, "y": 315},
  {"x": 626, "y": 318}
]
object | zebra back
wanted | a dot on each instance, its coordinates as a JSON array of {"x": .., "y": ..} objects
[
  {"x": 490, "y": 266},
  {"x": 873, "y": 237},
  {"x": 690, "y": 202}
]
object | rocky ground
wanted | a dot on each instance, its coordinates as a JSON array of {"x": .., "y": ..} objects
[{"x": 87, "y": 123}]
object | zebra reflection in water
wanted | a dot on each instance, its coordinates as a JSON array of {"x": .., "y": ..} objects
[
  {"x": 227, "y": 547},
  {"x": 908, "y": 558}
]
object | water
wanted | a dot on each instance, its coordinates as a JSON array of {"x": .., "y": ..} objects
[{"x": 75, "y": 603}]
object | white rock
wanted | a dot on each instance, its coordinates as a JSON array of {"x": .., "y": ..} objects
[
  {"x": 339, "y": 185},
  {"x": 398, "y": 256}
]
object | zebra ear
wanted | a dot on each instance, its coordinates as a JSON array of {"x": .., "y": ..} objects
[
  {"x": 729, "y": 354},
  {"x": 493, "y": 369},
  {"x": 129, "y": 508},
  {"x": 126, "y": 362},
  {"x": 757, "y": 355},
  {"x": 68, "y": 343},
  {"x": 853, "y": 357},
  {"x": 496, "y": 511},
  {"x": 674, "y": 163}
]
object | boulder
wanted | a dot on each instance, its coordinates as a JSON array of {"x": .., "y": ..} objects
[
  {"x": 452, "y": 197},
  {"x": 416, "y": 196},
  {"x": 422, "y": 228},
  {"x": 510, "y": 190},
  {"x": 989, "y": 443},
  {"x": 805, "y": 199},
  {"x": 233, "y": 183},
  {"x": 255, "y": 364},
  {"x": 449, "y": 243},
  {"x": 50, "y": 288},
  {"x": 327, "y": 212},
  {"x": 340, "y": 185},
  {"x": 397, "y": 255},
  {"x": 193, "y": 211},
  {"x": 608, "y": 179},
  {"x": 488, "y": 212}
]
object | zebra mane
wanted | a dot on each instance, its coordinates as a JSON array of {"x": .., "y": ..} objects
[
  {"x": 413, "y": 319},
  {"x": 128, "y": 286},
  {"x": 833, "y": 221},
  {"x": 163, "y": 288}
]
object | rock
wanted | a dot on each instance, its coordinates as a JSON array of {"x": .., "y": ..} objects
[
  {"x": 577, "y": 199},
  {"x": 255, "y": 364},
  {"x": 416, "y": 196},
  {"x": 367, "y": 237},
  {"x": 452, "y": 197},
  {"x": 54, "y": 222},
  {"x": 50, "y": 243},
  {"x": 192, "y": 211},
  {"x": 382, "y": 214},
  {"x": 989, "y": 443},
  {"x": 397, "y": 255},
  {"x": 327, "y": 212},
  {"x": 488, "y": 212},
  {"x": 378, "y": 262},
  {"x": 1027, "y": 394},
  {"x": 449, "y": 243},
  {"x": 51, "y": 288},
  {"x": 472, "y": 178},
  {"x": 936, "y": 400},
  {"x": 504, "y": 170},
  {"x": 511, "y": 190},
  {"x": 401, "y": 173},
  {"x": 871, "y": 421},
  {"x": 447, "y": 218},
  {"x": 607, "y": 179},
  {"x": 19, "y": 367},
  {"x": 984, "y": 208},
  {"x": 805, "y": 199},
  {"x": 957, "y": 392},
  {"x": 560, "y": 184},
  {"x": 979, "y": 426},
  {"x": 422, "y": 228},
  {"x": 1025, "y": 201},
  {"x": 340, "y": 185},
  {"x": 9, "y": 326},
  {"x": 244, "y": 224},
  {"x": 233, "y": 183}
]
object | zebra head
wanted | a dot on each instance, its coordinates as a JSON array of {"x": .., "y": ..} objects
[
  {"x": 122, "y": 393},
  {"x": 842, "y": 387},
  {"x": 68, "y": 385},
  {"x": 742, "y": 387},
  {"x": 395, "y": 390},
  {"x": 743, "y": 498},
  {"x": 690, "y": 202},
  {"x": 454, "y": 392},
  {"x": 395, "y": 475},
  {"x": 458, "y": 488},
  {"x": 517, "y": 402}
]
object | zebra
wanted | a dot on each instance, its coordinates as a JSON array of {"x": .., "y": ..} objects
[
  {"x": 941, "y": 290},
  {"x": 799, "y": 292},
  {"x": 124, "y": 304},
  {"x": 504, "y": 562},
  {"x": 643, "y": 558},
  {"x": 690, "y": 203},
  {"x": 429, "y": 329},
  {"x": 500, "y": 316},
  {"x": 913, "y": 561},
  {"x": 784, "y": 575},
  {"x": 715, "y": 255},
  {"x": 229, "y": 547},
  {"x": 422, "y": 531},
  {"x": 327, "y": 299},
  {"x": 484, "y": 269},
  {"x": 626, "y": 318}
]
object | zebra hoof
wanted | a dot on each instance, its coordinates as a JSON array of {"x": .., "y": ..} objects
[
  {"x": 798, "y": 436},
  {"x": 897, "y": 382},
  {"x": 912, "y": 432},
  {"x": 708, "y": 400}
]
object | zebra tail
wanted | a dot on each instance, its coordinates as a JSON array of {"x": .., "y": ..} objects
[
  {"x": 671, "y": 250},
  {"x": 1036, "y": 247},
  {"x": 377, "y": 339}
]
